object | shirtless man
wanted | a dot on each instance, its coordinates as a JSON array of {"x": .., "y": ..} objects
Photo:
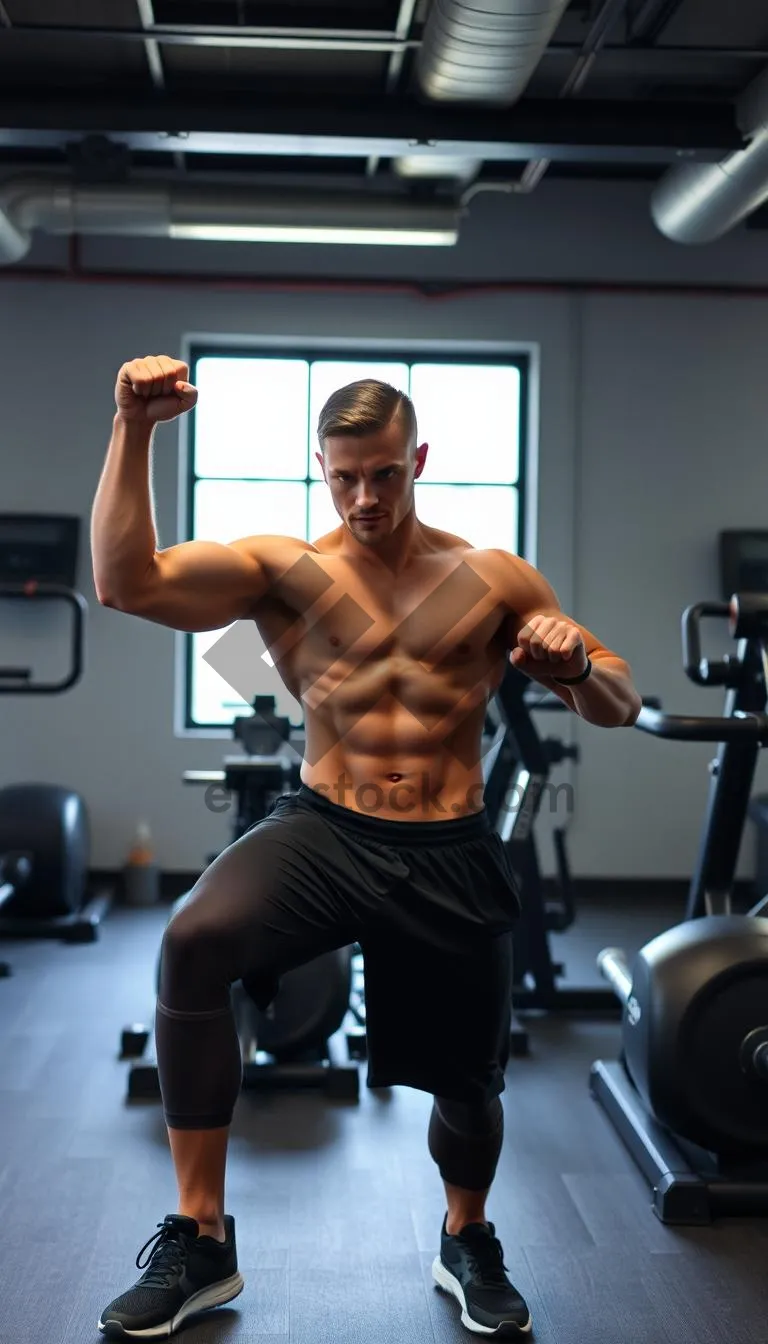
[{"x": 393, "y": 636}]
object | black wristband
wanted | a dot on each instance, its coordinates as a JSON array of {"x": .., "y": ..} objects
[{"x": 574, "y": 681}]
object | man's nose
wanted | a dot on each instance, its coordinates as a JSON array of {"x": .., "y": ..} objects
[{"x": 366, "y": 495}]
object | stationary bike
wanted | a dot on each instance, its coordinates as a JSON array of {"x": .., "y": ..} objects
[
  {"x": 689, "y": 1096},
  {"x": 44, "y": 832}
]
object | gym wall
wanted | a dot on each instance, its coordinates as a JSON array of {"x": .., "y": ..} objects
[{"x": 652, "y": 416}]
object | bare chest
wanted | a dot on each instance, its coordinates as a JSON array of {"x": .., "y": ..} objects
[{"x": 448, "y": 617}]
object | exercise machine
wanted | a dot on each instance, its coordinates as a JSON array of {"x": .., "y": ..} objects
[
  {"x": 44, "y": 834},
  {"x": 689, "y": 1095},
  {"x": 300, "y": 1040},
  {"x": 517, "y": 768},
  {"x": 15, "y": 870}
]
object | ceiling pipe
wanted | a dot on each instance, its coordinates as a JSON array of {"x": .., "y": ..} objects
[
  {"x": 699, "y": 203},
  {"x": 483, "y": 52},
  {"x": 28, "y": 204}
]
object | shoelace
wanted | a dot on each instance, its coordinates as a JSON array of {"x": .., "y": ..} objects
[
  {"x": 164, "y": 1258},
  {"x": 487, "y": 1261}
]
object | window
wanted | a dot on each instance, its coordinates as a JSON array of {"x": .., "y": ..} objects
[{"x": 252, "y": 468}]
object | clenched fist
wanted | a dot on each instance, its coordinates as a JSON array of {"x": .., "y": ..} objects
[
  {"x": 550, "y": 640},
  {"x": 154, "y": 388}
]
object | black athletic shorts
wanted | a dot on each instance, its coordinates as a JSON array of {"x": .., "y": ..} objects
[{"x": 432, "y": 905}]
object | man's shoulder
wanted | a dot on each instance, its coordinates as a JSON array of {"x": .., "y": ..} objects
[
  {"x": 495, "y": 565},
  {"x": 274, "y": 551},
  {"x": 518, "y": 581},
  {"x": 493, "y": 557},
  {"x": 491, "y": 560}
]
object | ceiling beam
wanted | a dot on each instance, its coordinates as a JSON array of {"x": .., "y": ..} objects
[
  {"x": 212, "y": 35},
  {"x": 581, "y": 131},
  {"x": 397, "y": 42}
]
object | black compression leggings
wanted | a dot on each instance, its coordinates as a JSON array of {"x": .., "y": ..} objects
[{"x": 465, "y": 1141}]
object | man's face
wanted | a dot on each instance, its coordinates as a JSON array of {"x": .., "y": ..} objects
[{"x": 371, "y": 480}]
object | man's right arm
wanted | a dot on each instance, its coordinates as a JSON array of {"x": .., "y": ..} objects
[{"x": 199, "y": 585}]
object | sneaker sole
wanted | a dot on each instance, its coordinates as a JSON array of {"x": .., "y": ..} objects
[
  {"x": 445, "y": 1280},
  {"x": 215, "y": 1296}
]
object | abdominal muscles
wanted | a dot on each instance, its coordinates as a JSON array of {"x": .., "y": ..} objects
[{"x": 398, "y": 740}]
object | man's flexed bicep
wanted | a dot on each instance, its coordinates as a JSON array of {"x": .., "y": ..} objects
[{"x": 206, "y": 585}]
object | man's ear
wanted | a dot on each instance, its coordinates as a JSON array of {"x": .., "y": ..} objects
[
  {"x": 421, "y": 458},
  {"x": 321, "y": 460}
]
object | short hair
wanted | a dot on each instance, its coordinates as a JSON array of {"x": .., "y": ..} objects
[{"x": 363, "y": 408}]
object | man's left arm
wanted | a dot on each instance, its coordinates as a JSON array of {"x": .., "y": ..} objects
[{"x": 551, "y": 648}]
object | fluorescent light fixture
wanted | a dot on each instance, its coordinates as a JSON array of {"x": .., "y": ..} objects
[
  {"x": 323, "y": 233},
  {"x": 300, "y": 217}
]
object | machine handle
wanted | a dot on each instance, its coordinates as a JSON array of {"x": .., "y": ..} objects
[
  {"x": 57, "y": 592},
  {"x": 613, "y": 966},
  {"x": 688, "y": 728},
  {"x": 699, "y": 669}
]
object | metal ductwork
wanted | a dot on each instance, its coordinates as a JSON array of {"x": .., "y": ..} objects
[
  {"x": 59, "y": 207},
  {"x": 479, "y": 52},
  {"x": 484, "y": 51},
  {"x": 698, "y": 203}
]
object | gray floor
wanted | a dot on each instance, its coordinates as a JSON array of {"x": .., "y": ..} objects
[{"x": 338, "y": 1207}]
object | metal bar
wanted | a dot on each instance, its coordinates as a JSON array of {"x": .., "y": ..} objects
[
  {"x": 580, "y": 131},
  {"x": 680, "y": 1194},
  {"x": 151, "y": 46},
  {"x": 729, "y": 792},
  {"x": 155, "y": 63},
  {"x": 593, "y": 44},
  {"x": 755, "y": 54},
  {"x": 652, "y": 18},
  {"x": 350, "y": 39},
  {"x": 267, "y": 39},
  {"x": 721, "y": 836},
  {"x": 614, "y": 967},
  {"x": 394, "y": 67},
  {"x": 691, "y": 728},
  {"x": 54, "y": 592},
  {"x": 402, "y": 29}
]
